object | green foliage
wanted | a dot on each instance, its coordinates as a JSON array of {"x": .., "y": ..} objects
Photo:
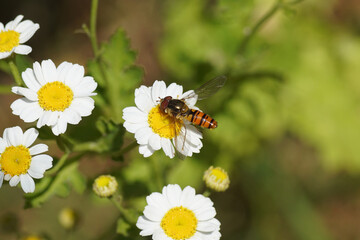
[{"x": 116, "y": 75}]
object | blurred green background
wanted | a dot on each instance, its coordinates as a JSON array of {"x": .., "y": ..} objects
[{"x": 288, "y": 116}]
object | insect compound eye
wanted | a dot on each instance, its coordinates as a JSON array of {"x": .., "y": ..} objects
[{"x": 164, "y": 103}]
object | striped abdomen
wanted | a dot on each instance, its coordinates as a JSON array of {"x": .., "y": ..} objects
[{"x": 199, "y": 118}]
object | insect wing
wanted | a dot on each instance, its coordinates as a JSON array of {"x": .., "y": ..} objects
[{"x": 210, "y": 87}]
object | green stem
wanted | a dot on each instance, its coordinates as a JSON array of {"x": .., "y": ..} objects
[
  {"x": 117, "y": 200},
  {"x": 15, "y": 72},
  {"x": 258, "y": 25},
  {"x": 4, "y": 89},
  {"x": 59, "y": 164},
  {"x": 125, "y": 149},
  {"x": 93, "y": 38}
]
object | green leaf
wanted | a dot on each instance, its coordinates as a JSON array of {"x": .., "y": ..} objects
[
  {"x": 116, "y": 74},
  {"x": 122, "y": 227},
  {"x": 23, "y": 62},
  {"x": 58, "y": 184}
]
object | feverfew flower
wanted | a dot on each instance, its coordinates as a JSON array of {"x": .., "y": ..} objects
[
  {"x": 19, "y": 162},
  {"x": 180, "y": 215},
  {"x": 67, "y": 218},
  {"x": 154, "y": 129},
  {"x": 216, "y": 179},
  {"x": 14, "y": 34},
  {"x": 105, "y": 186},
  {"x": 54, "y": 96}
]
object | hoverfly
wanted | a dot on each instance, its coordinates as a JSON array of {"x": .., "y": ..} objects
[{"x": 178, "y": 109}]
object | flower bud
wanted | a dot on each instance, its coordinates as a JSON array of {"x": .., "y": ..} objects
[
  {"x": 216, "y": 179},
  {"x": 105, "y": 186}
]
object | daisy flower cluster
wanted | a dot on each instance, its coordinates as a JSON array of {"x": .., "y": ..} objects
[
  {"x": 56, "y": 96},
  {"x": 52, "y": 96}
]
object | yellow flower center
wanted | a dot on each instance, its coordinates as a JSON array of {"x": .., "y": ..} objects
[
  {"x": 55, "y": 96},
  {"x": 163, "y": 124},
  {"x": 15, "y": 160},
  {"x": 102, "y": 181},
  {"x": 8, "y": 40},
  {"x": 219, "y": 174},
  {"x": 179, "y": 223}
]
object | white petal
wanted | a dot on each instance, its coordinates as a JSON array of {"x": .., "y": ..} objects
[
  {"x": 26, "y": 92},
  {"x": 38, "y": 148},
  {"x": 1, "y": 178},
  {"x": 71, "y": 116},
  {"x": 27, "y": 183},
  {"x": 143, "y": 99},
  {"x": 7, "y": 177},
  {"x": 30, "y": 136},
  {"x": 59, "y": 127},
  {"x": 28, "y": 33},
  {"x": 154, "y": 142},
  {"x": 14, "y": 181},
  {"x": 74, "y": 76},
  {"x": 13, "y": 136},
  {"x": 23, "y": 26},
  {"x": 209, "y": 236},
  {"x": 2, "y": 27},
  {"x": 146, "y": 150},
  {"x": 187, "y": 196},
  {"x": 35, "y": 174},
  {"x": 62, "y": 70},
  {"x": 12, "y": 24},
  {"x": 207, "y": 226},
  {"x": 30, "y": 113},
  {"x": 39, "y": 74},
  {"x": 142, "y": 135},
  {"x": 173, "y": 194},
  {"x": 148, "y": 227},
  {"x": 85, "y": 88},
  {"x": 134, "y": 115},
  {"x": 41, "y": 163},
  {"x": 29, "y": 79},
  {"x": 160, "y": 235},
  {"x": 5, "y": 54},
  {"x": 174, "y": 90},
  {"x": 158, "y": 90},
  {"x": 167, "y": 147},
  {"x": 158, "y": 200},
  {"x": 47, "y": 118},
  {"x": 3, "y": 145},
  {"x": 49, "y": 70},
  {"x": 83, "y": 106},
  {"x": 205, "y": 215},
  {"x": 133, "y": 127},
  {"x": 23, "y": 49},
  {"x": 152, "y": 213}
]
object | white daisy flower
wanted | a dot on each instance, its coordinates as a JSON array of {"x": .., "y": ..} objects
[
  {"x": 155, "y": 129},
  {"x": 180, "y": 215},
  {"x": 19, "y": 162},
  {"x": 14, "y": 34},
  {"x": 54, "y": 96}
]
